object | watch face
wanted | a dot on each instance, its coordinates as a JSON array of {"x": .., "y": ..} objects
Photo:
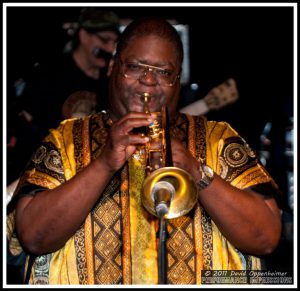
[
  {"x": 207, "y": 177},
  {"x": 208, "y": 171}
]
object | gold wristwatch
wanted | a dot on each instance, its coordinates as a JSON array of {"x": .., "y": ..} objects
[{"x": 207, "y": 177}]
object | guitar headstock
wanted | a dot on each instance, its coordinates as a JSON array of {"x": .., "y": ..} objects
[{"x": 222, "y": 95}]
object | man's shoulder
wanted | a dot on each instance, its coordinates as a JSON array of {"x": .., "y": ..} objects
[
  {"x": 92, "y": 128},
  {"x": 210, "y": 123},
  {"x": 99, "y": 118},
  {"x": 53, "y": 65},
  {"x": 214, "y": 128}
]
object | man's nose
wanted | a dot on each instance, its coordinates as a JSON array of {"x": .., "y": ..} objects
[
  {"x": 110, "y": 46},
  {"x": 148, "y": 77}
]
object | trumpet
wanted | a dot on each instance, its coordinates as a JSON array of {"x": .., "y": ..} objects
[{"x": 167, "y": 192}]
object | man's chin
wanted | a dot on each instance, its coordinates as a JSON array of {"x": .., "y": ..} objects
[{"x": 102, "y": 63}]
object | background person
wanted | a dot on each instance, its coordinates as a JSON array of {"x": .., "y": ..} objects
[{"x": 46, "y": 90}]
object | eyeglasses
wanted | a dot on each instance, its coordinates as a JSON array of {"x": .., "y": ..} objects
[
  {"x": 106, "y": 39},
  {"x": 137, "y": 70}
]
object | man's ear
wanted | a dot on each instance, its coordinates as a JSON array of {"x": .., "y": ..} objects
[
  {"x": 110, "y": 66},
  {"x": 83, "y": 36}
]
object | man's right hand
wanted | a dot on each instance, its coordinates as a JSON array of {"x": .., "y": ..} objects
[{"x": 121, "y": 142}]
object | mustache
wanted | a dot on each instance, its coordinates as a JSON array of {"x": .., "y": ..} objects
[{"x": 100, "y": 53}]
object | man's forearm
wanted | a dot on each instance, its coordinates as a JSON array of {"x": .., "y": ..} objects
[
  {"x": 45, "y": 222},
  {"x": 244, "y": 218}
]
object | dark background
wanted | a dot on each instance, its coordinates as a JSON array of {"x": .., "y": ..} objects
[{"x": 253, "y": 45}]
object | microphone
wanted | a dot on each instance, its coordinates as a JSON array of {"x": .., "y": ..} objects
[
  {"x": 162, "y": 194},
  {"x": 100, "y": 53}
]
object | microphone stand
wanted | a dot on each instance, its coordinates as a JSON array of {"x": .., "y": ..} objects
[
  {"x": 162, "y": 253},
  {"x": 162, "y": 198}
]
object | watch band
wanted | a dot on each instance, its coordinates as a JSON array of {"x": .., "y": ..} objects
[{"x": 207, "y": 177}]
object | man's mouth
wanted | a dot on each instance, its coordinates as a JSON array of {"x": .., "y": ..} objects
[
  {"x": 144, "y": 102},
  {"x": 100, "y": 53}
]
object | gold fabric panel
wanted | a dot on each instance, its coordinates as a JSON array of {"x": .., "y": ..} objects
[
  {"x": 106, "y": 219},
  {"x": 202, "y": 220},
  {"x": 142, "y": 227},
  {"x": 186, "y": 246},
  {"x": 63, "y": 265},
  {"x": 80, "y": 256},
  {"x": 88, "y": 222},
  {"x": 180, "y": 243},
  {"x": 79, "y": 237},
  {"x": 198, "y": 243},
  {"x": 41, "y": 179},
  {"x": 77, "y": 140},
  {"x": 126, "y": 257},
  {"x": 251, "y": 177},
  {"x": 197, "y": 214},
  {"x": 181, "y": 256},
  {"x": 13, "y": 242}
]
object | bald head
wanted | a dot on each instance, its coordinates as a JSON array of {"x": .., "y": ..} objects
[{"x": 150, "y": 26}]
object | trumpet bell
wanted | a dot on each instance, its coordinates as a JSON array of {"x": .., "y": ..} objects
[{"x": 172, "y": 187}]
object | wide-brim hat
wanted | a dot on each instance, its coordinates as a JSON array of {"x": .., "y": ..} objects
[{"x": 96, "y": 19}]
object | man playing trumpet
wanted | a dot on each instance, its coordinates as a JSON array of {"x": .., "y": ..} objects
[{"x": 79, "y": 215}]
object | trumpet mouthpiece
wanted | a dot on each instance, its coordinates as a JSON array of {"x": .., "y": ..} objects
[{"x": 146, "y": 97}]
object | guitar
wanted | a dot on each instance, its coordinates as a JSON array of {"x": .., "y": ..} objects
[
  {"x": 79, "y": 104},
  {"x": 218, "y": 97}
]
